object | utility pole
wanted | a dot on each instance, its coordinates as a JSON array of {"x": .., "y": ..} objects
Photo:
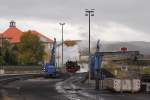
[
  {"x": 89, "y": 13},
  {"x": 58, "y": 57},
  {"x": 62, "y": 24}
]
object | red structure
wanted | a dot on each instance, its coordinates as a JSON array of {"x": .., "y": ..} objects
[{"x": 124, "y": 49}]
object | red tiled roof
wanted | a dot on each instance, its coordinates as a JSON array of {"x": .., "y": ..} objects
[
  {"x": 41, "y": 35},
  {"x": 14, "y": 34}
]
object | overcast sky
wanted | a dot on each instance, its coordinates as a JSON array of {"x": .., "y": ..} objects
[{"x": 114, "y": 20}]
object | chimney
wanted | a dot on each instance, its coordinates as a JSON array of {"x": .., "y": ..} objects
[{"x": 12, "y": 23}]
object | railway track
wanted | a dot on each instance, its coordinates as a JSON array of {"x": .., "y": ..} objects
[
  {"x": 31, "y": 87},
  {"x": 4, "y": 79},
  {"x": 74, "y": 90}
]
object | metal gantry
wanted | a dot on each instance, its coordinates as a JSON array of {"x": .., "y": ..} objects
[{"x": 96, "y": 62}]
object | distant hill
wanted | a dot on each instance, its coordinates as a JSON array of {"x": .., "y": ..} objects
[{"x": 143, "y": 47}]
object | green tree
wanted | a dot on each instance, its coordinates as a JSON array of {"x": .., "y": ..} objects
[
  {"x": 1, "y": 56},
  {"x": 13, "y": 54},
  {"x": 8, "y": 53},
  {"x": 5, "y": 50},
  {"x": 31, "y": 49}
]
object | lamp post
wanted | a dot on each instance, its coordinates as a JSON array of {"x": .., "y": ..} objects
[
  {"x": 89, "y": 13},
  {"x": 58, "y": 57},
  {"x": 62, "y": 24}
]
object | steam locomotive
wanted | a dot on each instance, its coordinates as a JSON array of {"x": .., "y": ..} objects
[{"x": 72, "y": 66}]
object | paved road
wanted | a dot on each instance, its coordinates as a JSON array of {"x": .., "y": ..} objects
[
  {"x": 83, "y": 92},
  {"x": 105, "y": 95},
  {"x": 44, "y": 89},
  {"x": 31, "y": 89}
]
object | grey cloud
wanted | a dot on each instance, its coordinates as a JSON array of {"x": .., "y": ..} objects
[{"x": 133, "y": 13}]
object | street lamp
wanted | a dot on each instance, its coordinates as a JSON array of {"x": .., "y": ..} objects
[
  {"x": 89, "y": 13},
  {"x": 62, "y": 24},
  {"x": 58, "y": 57}
]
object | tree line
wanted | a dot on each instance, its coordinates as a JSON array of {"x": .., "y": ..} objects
[{"x": 29, "y": 51}]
